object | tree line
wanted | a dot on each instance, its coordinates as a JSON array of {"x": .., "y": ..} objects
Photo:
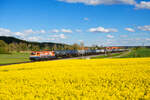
[{"x": 19, "y": 47}]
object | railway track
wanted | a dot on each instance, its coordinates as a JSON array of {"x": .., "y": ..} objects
[{"x": 81, "y": 57}]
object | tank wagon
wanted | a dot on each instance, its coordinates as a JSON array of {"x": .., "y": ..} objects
[{"x": 46, "y": 55}]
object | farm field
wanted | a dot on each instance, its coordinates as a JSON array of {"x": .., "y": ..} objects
[
  {"x": 133, "y": 53},
  {"x": 138, "y": 53},
  {"x": 107, "y": 56},
  {"x": 14, "y": 58},
  {"x": 77, "y": 79}
]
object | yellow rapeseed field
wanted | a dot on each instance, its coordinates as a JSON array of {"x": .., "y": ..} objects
[{"x": 104, "y": 79}]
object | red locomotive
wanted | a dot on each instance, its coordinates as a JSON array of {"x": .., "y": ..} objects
[{"x": 44, "y": 55}]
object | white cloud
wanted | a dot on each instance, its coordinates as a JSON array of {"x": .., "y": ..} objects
[
  {"x": 143, "y": 5},
  {"x": 28, "y": 31},
  {"x": 51, "y": 39},
  {"x": 99, "y": 2},
  {"x": 5, "y": 32},
  {"x": 130, "y": 29},
  {"x": 55, "y": 31},
  {"x": 86, "y": 19},
  {"x": 109, "y": 42},
  {"x": 110, "y": 36},
  {"x": 80, "y": 41},
  {"x": 66, "y": 30},
  {"x": 42, "y": 31},
  {"x": 19, "y": 34},
  {"x": 61, "y": 36},
  {"x": 54, "y": 36},
  {"x": 26, "y": 35},
  {"x": 62, "y": 30},
  {"x": 78, "y": 30},
  {"x": 34, "y": 38},
  {"x": 144, "y": 28},
  {"x": 23, "y": 35},
  {"x": 148, "y": 39},
  {"x": 124, "y": 36},
  {"x": 102, "y": 30}
]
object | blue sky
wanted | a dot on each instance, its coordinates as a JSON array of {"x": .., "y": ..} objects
[{"x": 100, "y": 22}]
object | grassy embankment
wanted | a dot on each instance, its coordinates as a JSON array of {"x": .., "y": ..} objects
[
  {"x": 13, "y": 58},
  {"x": 107, "y": 56},
  {"x": 136, "y": 53}
]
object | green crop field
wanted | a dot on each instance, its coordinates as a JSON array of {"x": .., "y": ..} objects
[
  {"x": 13, "y": 58},
  {"x": 106, "y": 56},
  {"x": 140, "y": 52}
]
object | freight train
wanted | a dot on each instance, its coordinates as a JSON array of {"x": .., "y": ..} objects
[{"x": 46, "y": 55}]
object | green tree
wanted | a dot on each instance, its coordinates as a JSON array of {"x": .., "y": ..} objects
[
  {"x": 13, "y": 47},
  {"x": 29, "y": 47},
  {"x": 23, "y": 46},
  {"x": 46, "y": 47},
  {"x": 3, "y": 47},
  {"x": 35, "y": 48},
  {"x": 54, "y": 47}
]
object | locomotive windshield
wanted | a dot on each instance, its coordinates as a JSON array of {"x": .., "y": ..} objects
[{"x": 33, "y": 53}]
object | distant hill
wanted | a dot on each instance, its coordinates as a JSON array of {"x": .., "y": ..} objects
[{"x": 9, "y": 40}]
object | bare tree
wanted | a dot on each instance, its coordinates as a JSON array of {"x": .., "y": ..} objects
[{"x": 76, "y": 46}]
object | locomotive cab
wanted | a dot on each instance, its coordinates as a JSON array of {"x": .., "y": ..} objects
[
  {"x": 42, "y": 55},
  {"x": 35, "y": 56}
]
